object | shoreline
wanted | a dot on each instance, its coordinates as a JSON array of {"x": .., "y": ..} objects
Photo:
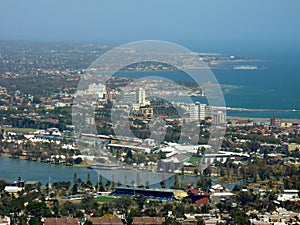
[
  {"x": 262, "y": 119},
  {"x": 84, "y": 164}
]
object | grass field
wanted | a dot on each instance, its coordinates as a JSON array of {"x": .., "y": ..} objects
[
  {"x": 106, "y": 199},
  {"x": 19, "y": 130},
  {"x": 194, "y": 160}
]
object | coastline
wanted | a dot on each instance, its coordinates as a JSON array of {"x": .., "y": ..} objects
[{"x": 284, "y": 120}]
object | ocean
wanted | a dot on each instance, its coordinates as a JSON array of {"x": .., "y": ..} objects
[{"x": 273, "y": 87}]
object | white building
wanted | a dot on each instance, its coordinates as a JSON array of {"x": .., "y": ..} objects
[
  {"x": 289, "y": 195},
  {"x": 141, "y": 96},
  {"x": 129, "y": 97},
  {"x": 4, "y": 220},
  {"x": 194, "y": 113},
  {"x": 13, "y": 189},
  {"x": 219, "y": 118},
  {"x": 97, "y": 89},
  {"x": 197, "y": 111}
]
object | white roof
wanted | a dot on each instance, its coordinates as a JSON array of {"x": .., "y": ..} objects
[
  {"x": 220, "y": 194},
  {"x": 290, "y": 191},
  {"x": 173, "y": 159},
  {"x": 12, "y": 189}
]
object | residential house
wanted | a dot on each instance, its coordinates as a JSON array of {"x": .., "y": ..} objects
[
  {"x": 105, "y": 221},
  {"x": 61, "y": 221},
  {"x": 148, "y": 220}
]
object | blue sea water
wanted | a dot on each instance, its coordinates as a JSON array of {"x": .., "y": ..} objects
[{"x": 274, "y": 86}]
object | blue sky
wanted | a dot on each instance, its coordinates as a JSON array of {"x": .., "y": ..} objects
[{"x": 130, "y": 20}]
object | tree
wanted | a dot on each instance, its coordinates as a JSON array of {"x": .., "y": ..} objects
[
  {"x": 179, "y": 210},
  {"x": 204, "y": 183},
  {"x": 200, "y": 222},
  {"x": 176, "y": 182},
  {"x": 221, "y": 207},
  {"x": 107, "y": 184},
  {"x": 23, "y": 219},
  {"x": 3, "y": 183},
  {"x": 38, "y": 209},
  {"x": 89, "y": 181},
  {"x": 78, "y": 160},
  {"x": 246, "y": 197},
  {"x": 239, "y": 217},
  {"x": 87, "y": 222},
  {"x": 140, "y": 201},
  {"x": 75, "y": 178},
  {"x": 100, "y": 183},
  {"x": 171, "y": 221},
  {"x": 129, "y": 154},
  {"x": 74, "y": 189},
  {"x": 35, "y": 221},
  {"x": 163, "y": 184}
]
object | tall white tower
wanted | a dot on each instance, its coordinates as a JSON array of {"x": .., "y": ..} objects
[
  {"x": 197, "y": 111},
  {"x": 141, "y": 96}
]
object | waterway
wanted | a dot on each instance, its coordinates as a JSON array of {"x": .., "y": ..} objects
[{"x": 11, "y": 169}]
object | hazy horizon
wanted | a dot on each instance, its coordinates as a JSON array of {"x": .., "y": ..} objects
[{"x": 119, "y": 22}]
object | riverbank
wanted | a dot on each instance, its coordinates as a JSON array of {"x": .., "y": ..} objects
[
  {"x": 84, "y": 164},
  {"x": 11, "y": 169}
]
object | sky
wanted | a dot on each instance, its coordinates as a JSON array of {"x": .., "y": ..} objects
[{"x": 120, "y": 21}]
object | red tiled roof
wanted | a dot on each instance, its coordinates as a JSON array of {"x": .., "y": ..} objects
[
  {"x": 105, "y": 221},
  {"x": 148, "y": 220},
  {"x": 61, "y": 221},
  {"x": 202, "y": 201},
  {"x": 193, "y": 191},
  {"x": 242, "y": 122}
]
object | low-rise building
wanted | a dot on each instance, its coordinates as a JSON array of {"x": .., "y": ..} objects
[
  {"x": 145, "y": 220},
  {"x": 293, "y": 146},
  {"x": 289, "y": 195},
  {"x": 61, "y": 221},
  {"x": 105, "y": 221},
  {"x": 4, "y": 220}
]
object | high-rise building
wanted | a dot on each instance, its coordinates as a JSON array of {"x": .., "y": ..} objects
[
  {"x": 202, "y": 111},
  {"x": 208, "y": 111},
  {"x": 197, "y": 111},
  {"x": 275, "y": 122},
  {"x": 219, "y": 118},
  {"x": 194, "y": 112},
  {"x": 141, "y": 96}
]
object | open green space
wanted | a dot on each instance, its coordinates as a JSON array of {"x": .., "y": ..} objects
[
  {"x": 19, "y": 130},
  {"x": 106, "y": 199}
]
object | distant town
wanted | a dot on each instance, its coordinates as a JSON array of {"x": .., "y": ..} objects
[{"x": 251, "y": 178}]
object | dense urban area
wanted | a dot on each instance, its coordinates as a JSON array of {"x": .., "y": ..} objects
[{"x": 254, "y": 178}]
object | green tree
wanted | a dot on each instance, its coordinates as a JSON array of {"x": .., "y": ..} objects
[
  {"x": 171, "y": 221},
  {"x": 75, "y": 178},
  {"x": 38, "y": 209},
  {"x": 74, "y": 189},
  {"x": 163, "y": 184},
  {"x": 89, "y": 181},
  {"x": 78, "y": 160},
  {"x": 35, "y": 221},
  {"x": 87, "y": 222},
  {"x": 23, "y": 219}
]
